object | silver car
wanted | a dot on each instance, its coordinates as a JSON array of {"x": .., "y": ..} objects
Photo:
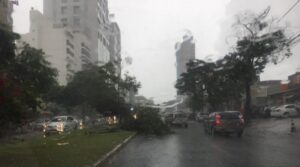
[
  {"x": 180, "y": 119},
  {"x": 61, "y": 124},
  {"x": 288, "y": 110},
  {"x": 200, "y": 116}
]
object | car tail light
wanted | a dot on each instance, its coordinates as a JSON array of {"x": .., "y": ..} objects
[{"x": 218, "y": 120}]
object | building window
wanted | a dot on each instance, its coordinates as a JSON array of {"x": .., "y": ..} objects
[
  {"x": 64, "y": 21},
  {"x": 63, "y": 10},
  {"x": 69, "y": 44},
  {"x": 76, "y": 9},
  {"x": 75, "y": 0},
  {"x": 64, "y": 1},
  {"x": 68, "y": 51},
  {"x": 76, "y": 21}
]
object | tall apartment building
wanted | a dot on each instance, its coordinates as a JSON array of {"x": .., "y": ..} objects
[
  {"x": 115, "y": 47},
  {"x": 185, "y": 51},
  {"x": 87, "y": 16},
  {"x": 6, "y": 9},
  {"x": 67, "y": 50}
]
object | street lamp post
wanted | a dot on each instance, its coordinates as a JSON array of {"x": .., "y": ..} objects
[{"x": 203, "y": 97}]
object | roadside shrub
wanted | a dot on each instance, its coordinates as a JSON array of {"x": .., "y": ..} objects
[
  {"x": 128, "y": 123},
  {"x": 148, "y": 122}
]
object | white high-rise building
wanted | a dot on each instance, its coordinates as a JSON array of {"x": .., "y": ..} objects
[
  {"x": 185, "y": 52},
  {"x": 6, "y": 9},
  {"x": 88, "y": 16},
  {"x": 115, "y": 47},
  {"x": 67, "y": 50}
]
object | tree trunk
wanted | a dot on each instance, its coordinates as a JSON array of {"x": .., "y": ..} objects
[{"x": 247, "y": 108}]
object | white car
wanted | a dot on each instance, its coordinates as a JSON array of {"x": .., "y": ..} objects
[
  {"x": 61, "y": 124},
  {"x": 180, "y": 119},
  {"x": 200, "y": 116},
  {"x": 287, "y": 110}
]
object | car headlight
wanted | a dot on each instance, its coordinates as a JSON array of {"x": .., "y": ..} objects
[
  {"x": 60, "y": 127},
  {"x": 45, "y": 126}
]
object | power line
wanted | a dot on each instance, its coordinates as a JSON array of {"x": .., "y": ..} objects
[{"x": 291, "y": 8}]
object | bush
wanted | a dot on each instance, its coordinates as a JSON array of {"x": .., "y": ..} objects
[
  {"x": 148, "y": 122},
  {"x": 128, "y": 123}
]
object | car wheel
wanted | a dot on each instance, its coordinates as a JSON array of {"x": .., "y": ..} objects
[
  {"x": 286, "y": 115},
  {"x": 186, "y": 125},
  {"x": 240, "y": 133}
]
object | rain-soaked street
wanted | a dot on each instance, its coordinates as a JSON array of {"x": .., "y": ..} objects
[{"x": 265, "y": 143}]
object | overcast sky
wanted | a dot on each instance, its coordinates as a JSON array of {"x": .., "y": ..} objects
[{"x": 150, "y": 29}]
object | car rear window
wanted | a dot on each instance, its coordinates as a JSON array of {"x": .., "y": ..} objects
[
  {"x": 180, "y": 116},
  {"x": 291, "y": 106},
  {"x": 229, "y": 116}
]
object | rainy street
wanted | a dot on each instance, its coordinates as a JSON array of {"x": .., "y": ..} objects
[{"x": 265, "y": 143}]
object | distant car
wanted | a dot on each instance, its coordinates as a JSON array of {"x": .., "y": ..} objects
[
  {"x": 39, "y": 124},
  {"x": 224, "y": 122},
  {"x": 180, "y": 119},
  {"x": 61, "y": 124},
  {"x": 200, "y": 116},
  {"x": 273, "y": 108},
  {"x": 100, "y": 120},
  {"x": 288, "y": 110},
  {"x": 167, "y": 119}
]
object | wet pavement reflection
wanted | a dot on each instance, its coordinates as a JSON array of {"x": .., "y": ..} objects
[{"x": 191, "y": 147}]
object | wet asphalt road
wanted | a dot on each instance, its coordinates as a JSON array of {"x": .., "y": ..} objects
[{"x": 266, "y": 143}]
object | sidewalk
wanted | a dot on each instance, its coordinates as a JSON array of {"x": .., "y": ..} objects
[{"x": 273, "y": 126}]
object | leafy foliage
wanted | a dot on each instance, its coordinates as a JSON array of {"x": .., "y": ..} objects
[
  {"x": 98, "y": 87},
  {"x": 148, "y": 122},
  {"x": 25, "y": 77},
  {"x": 211, "y": 80},
  {"x": 258, "y": 43}
]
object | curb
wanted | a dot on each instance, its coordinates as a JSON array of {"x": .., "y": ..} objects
[{"x": 114, "y": 150}]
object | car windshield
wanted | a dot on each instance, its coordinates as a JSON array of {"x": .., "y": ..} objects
[
  {"x": 229, "y": 115},
  {"x": 40, "y": 121},
  {"x": 150, "y": 83},
  {"x": 58, "y": 119}
]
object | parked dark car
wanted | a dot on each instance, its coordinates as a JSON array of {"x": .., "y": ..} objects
[{"x": 228, "y": 122}]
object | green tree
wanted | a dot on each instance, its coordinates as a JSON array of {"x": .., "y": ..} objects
[
  {"x": 208, "y": 79},
  {"x": 34, "y": 74},
  {"x": 25, "y": 76},
  {"x": 98, "y": 87},
  {"x": 7, "y": 46},
  {"x": 260, "y": 42}
]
